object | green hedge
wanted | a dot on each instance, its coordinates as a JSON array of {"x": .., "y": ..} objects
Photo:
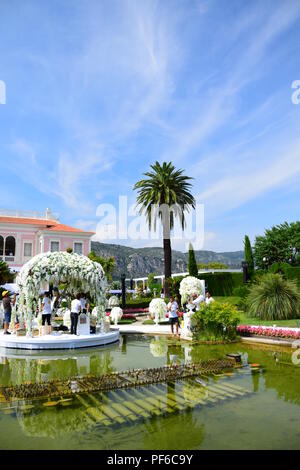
[
  {"x": 293, "y": 273},
  {"x": 221, "y": 284},
  {"x": 138, "y": 303}
]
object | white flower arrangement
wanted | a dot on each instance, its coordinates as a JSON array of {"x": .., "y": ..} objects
[
  {"x": 189, "y": 285},
  {"x": 77, "y": 271},
  {"x": 158, "y": 309},
  {"x": 113, "y": 301},
  {"x": 116, "y": 314}
]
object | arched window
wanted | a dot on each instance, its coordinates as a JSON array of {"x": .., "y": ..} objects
[
  {"x": 1, "y": 245},
  {"x": 10, "y": 246}
]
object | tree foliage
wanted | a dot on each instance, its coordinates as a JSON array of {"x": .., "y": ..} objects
[
  {"x": 108, "y": 264},
  {"x": 5, "y": 274},
  {"x": 192, "y": 264},
  {"x": 280, "y": 244},
  {"x": 164, "y": 186},
  {"x": 249, "y": 255}
]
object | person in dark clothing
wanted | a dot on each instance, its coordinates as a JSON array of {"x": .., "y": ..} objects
[
  {"x": 75, "y": 312},
  {"x": 7, "y": 311}
]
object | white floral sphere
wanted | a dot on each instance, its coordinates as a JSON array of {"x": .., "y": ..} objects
[
  {"x": 189, "y": 285},
  {"x": 158, "y": 308},
  {"x": 113, "y": 301},
  {"x": 116, "y": 314}
]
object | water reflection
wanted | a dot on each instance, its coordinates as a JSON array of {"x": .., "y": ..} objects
[
  {"x": 158, "y": 346},
  {"x": 16, "y": 368},
  {"x": 85, "y": 414}
]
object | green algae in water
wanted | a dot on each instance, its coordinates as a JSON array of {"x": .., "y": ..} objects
[{"x": 249, "y": 410}]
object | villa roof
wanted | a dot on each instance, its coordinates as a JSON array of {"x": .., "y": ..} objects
[
  {"x": 27, "y": 220},
  {"x": 43, "y": 224},
  {"x": 65, "y": 228}
]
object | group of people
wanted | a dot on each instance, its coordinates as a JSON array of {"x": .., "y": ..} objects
[
  {"x": 197, "y": 301},
  {"x": 80, "y": 304}
]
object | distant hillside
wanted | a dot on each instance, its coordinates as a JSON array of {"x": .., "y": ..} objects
[{"x": 138, "y": 262}]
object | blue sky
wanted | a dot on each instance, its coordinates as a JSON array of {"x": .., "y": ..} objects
[{"x": 96, "y": 91}]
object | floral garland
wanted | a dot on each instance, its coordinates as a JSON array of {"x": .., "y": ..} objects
[
  {"x": 77, "y": 271},
  {"x": 158, "y": 309},
  {"x": 188, "y": 286}
]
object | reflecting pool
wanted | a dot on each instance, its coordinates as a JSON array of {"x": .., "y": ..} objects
[{"x": 254, "y": 407}]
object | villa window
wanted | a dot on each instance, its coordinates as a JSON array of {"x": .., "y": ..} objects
[
  {"x": 10, "y": 246},
  {"x": 27, "y": 249},
  {"x": 1, "y": 245},
  {"x": 78, "y": 248},
  {"x": 54, "y": 246}
]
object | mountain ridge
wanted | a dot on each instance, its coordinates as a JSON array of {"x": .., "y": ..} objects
[{"x": 139, "y": 262}]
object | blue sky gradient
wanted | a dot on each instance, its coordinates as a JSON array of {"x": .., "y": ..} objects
[{"x": 96, "y": 91}]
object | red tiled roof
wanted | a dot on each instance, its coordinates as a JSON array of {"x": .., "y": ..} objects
[
  {"x": 44, "y": 224},
  {"x": 65, "y": 228},
  {"x": 25, "y": 220}
]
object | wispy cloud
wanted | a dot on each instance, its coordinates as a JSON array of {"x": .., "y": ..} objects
[{"x": 109, "y": 87}]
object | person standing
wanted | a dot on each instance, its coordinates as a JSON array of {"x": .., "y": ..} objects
[
  {"x": 209, "y": 298},
  {"x": 173, "y": 315},
  {"x": 6, "y": 310},
  {"x": 198, "y": 299},
  {"x": 83, "y": 303},
  {"x": 46, "y": 309},
  {"x": 75, "y": 312},
  {"x": 55, "y": 303}
]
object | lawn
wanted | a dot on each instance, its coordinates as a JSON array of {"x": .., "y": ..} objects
[{"x": 245, "y": 320}]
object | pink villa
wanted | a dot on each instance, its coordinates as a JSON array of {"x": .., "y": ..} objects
[{"x": 24, "y": 235}]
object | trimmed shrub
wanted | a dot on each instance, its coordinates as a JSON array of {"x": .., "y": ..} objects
[
  {"x": 138, "y": 303},
  {"x": 241, "y": 291},
  {"x": 274, "y": 298},
  {"x": 280, "y": 268},
  {"x": 192, "y": 264},
  {"x": 216, "y": 321},
  {"x": 293, "y": 273},
  {"x": 222, "y": 284}
]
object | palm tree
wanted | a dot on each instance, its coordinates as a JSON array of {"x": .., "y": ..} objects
[{"x": 165, "y": 188}]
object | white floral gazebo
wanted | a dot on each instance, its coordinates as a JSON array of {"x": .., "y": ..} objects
[{"x": 77, "y": 271}]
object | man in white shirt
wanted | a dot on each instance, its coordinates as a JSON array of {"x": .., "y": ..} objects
[
  {"x": 46, "y": 309},
  {"x": 209, "y": 298},
  {"x": 173, "y": 317},
  {"x": 75, "y": 312},
  {"x": 197, "y": 300}
]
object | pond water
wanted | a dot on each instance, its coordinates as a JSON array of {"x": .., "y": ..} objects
[{"x": 255, "y": 407}]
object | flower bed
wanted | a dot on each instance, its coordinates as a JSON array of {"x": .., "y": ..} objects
[
  {"x": 136, "y": 310},
  {"x": 247, "y": 330}
]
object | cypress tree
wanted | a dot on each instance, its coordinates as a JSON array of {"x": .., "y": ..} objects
[
  {"x": 192, "y": 265},
  {"x": 249, "y": 255}
]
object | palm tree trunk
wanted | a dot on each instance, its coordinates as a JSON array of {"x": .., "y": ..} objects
[{"x": 167, "y": 256}]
